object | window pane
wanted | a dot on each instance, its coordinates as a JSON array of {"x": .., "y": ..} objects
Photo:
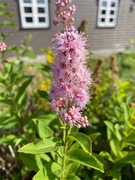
[
  {"x": 28, "y": 9},
  {"x": 104, "y": 3},
  {"x": 41, "y": 19},
  {"x": 102, "y": 19},
  {"x": 103, "y": 11},
  {"x": 27, "y": 1},
  {"x": 41, "y": 1},
  {"x": 41, "y": 10},
  {"x": 113, "y": 4},
  {"x": 111, "y": 19},
  {"x": 29, "y": 19},
  {"x": 112, "y": 12}
]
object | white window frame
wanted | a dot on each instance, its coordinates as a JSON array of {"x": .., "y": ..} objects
[
  {"x": 105, "y": 18},
  {"x": 35, "y": 15}
]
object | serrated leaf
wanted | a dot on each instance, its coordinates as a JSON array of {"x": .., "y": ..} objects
[
  {"x": 43, "y": 130},
  {"x": 40, "y": 146},
  {"x": 83, "y": 140},
  {"x": 85, "y": 159}
]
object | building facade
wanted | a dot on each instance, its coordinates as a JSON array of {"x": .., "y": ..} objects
[{"x": 110, "y": 23}]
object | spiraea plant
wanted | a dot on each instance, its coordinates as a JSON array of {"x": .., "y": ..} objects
[{"x": 63, "y": 150}]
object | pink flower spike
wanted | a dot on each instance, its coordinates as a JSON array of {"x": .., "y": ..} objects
[{"x": 71, "y": 78}]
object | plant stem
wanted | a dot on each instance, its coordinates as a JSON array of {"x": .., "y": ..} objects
[{"x": 65, "y": 135}]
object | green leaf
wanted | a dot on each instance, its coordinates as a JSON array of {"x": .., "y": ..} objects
[
  {"x": 46, "y": 68},
  {"x": 34, "y": 162},
  {"x": 85, "y": 159},
  {"x": 53, "y": 168},
  {"x": 7, "y": 14},
  {"x": 109, "y": 125},
  {"x": 46, "y": 119},
  {"x": 49, "y": 172},
  {"x": 31, "y": 161},
  {"x": 3, "y": 6},
  {"x": 43, "y": 94},
  {"x": 83, "y": 140},
  {"x": 106, "y": 155},
  {"x": 93, "y": 136},
  {"x": 72, "y": 177},
  {"x": 41, "y": 174},
  {"x": 43, "y": 130},
  {"x": 72, "y": 167},
  {"x": 21, "y": 92},
  {"x": 40, "y": 146},
  {"x": 112, "y": 137},
  {"x": 126, "y": 115},
  {"x": 7, "y": 122},
  {"x": 118, "y": 131},
  {"x": 31, "y": 56},
  {"x": 7, "y": 23},
  {"x": 128, "y": 159},
  {"x": 130, "y": 140},
  {"x": 7, "y": 139}
]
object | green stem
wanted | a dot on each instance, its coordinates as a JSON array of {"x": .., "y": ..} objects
[{"x": 65, "y": 148}]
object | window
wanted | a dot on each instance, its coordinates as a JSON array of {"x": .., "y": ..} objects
[
  {"x": 107, "y": 13},
  {"x": 34, "y": 13}
]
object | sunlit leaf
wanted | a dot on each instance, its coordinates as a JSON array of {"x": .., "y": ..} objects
[
  {"x": 40, "y": 146},
  {"x": 85, "y": 159},
  {"x": 83, "y": 140}
]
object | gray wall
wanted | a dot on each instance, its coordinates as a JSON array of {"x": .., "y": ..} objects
[{"x": 98, "y": 38}]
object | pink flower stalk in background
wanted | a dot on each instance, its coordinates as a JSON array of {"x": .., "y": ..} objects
[{"x": 71, "y": 77}]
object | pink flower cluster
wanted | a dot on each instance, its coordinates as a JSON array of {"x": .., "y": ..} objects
[
  {"x": 64, "y": 12},
  {"x": 3, "y": 46},
  {"x": 71, "y": 77},
  {"x": 69, "y": 91}
]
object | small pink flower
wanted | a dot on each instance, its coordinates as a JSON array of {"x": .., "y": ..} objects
[
  {"x": 84, "y": 121},
  {"x": 56, "y": 21},
  {"x": 3, "y": 46},
  {"x": 72, "y": 9}
]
